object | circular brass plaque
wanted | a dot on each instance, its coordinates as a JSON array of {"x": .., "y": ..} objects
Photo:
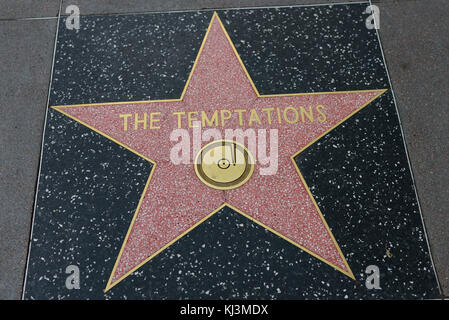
[{"x": 224, "y": 164}]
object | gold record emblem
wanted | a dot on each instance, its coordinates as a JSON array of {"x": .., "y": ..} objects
[{"x": 224, "y": 164}]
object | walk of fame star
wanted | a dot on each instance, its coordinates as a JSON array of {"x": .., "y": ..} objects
[{"x": 175, "y": 201}]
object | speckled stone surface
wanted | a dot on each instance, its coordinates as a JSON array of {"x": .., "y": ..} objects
[{"x": 358, "y": 173}]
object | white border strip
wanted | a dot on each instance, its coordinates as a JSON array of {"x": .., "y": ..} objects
[{"x": 42, "y": 150}]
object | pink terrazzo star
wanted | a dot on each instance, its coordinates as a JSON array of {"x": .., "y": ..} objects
[{"x": 175, "y": 200}]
